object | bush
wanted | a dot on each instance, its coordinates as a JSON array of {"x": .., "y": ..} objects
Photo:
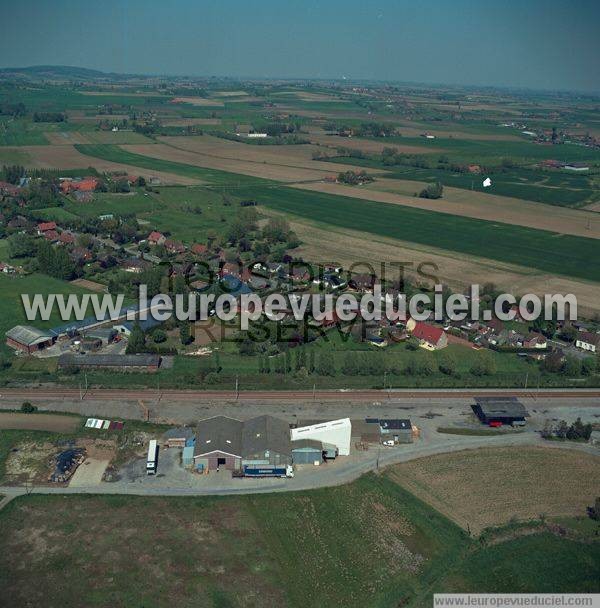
[
  {"x": 432, "y": 191},
  {"x": 484, "y": 365},
  {"x": 159, "y": 336},
  {"x": 28, "y": 408}
]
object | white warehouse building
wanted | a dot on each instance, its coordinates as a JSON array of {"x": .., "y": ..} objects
[{"x": 336, "y": 432}]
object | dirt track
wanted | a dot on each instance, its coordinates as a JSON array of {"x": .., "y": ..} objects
[{"x": 38, "y": 422}]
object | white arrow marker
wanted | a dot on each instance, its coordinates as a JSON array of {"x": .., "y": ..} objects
[{"x": 487, "y": 182}]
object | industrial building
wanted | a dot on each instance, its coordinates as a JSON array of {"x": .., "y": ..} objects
[
  {"x": 223, "y": 442},
  {"x": 29, "y": 339},
  {"x": 337, "y": 433},
  {"x": 500, "y": 410}
]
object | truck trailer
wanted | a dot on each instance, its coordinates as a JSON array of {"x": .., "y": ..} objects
[
  {"x": 152, "y": 459},
  {"x": 267, "y": 471}
]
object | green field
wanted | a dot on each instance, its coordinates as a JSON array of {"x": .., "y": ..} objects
[
  {"x": 487, "y": 152},
  {"x": 369, "y": 544},
  {"x": 19, "y": 132},
  {"x": 546, "y": 251},
  {"x": 551, "y": 188}
]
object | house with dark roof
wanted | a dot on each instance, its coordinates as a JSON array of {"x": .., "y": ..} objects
[
  {"x": 362, "y": 282},
  {"x": 535, "y": 340}
]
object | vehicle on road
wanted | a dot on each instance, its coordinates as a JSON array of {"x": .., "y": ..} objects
[
  {"x": 152, "y": 460},
  {"x": 250, "y": 471}
]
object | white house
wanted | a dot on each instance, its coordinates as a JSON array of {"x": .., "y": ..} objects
[{"x": 588, "y": 341}]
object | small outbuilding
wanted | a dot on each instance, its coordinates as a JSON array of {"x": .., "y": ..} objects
[
  {"x": 400, "y": 430},
  {"x": 500, "y": 410},
  {"x": 307, "y": 451}
]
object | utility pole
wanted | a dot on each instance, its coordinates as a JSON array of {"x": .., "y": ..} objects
[
  {"x": 237, "y": 388},
  {"x": 526, "y": 379},
  {"x": 314, "y": 391}
]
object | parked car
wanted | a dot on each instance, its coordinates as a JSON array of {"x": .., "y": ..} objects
[
  {"x": 495, "y": 424},
  {"x": 389, "y": 443}
]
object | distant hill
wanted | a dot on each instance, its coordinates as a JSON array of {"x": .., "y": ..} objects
[{"x": 59, "y": 72}]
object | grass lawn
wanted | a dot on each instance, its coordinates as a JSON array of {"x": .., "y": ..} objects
[
  {"x": 540, "y": 562},
  {"x": 366, "y": 544},
  {"x": 11, "y": 307},
  {"x": 57, "y": 214}
]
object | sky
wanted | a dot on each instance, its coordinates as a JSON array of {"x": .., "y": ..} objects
[{"x": 537, "y": 44}]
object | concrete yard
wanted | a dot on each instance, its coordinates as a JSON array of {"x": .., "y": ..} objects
[{"x": 88, "y": 473}]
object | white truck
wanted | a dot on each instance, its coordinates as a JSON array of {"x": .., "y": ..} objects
[{"x": 152, "y": 460}]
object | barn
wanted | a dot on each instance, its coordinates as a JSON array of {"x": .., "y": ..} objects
[
  {"x": 218, "y": 444},
  {"x": 29, "y": 339},
  {"x": 125, "y": 363}
]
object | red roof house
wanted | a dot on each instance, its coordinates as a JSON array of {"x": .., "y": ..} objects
[
  {"x": 66, "y": 238},
  {"x": 156, "y": 238},
  {"x": 199, "y": 249},
  {"x": 51, "y": 235},
  {"x": 45, "y": 226},
  {"x": 429, "y": 336},
  {"x": 174, "y": 246}
]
